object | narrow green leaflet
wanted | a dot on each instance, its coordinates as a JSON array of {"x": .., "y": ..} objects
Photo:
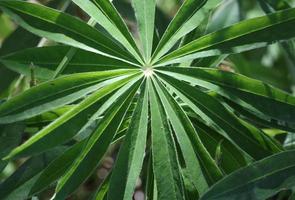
[
  {"x": 47, "y": 117},
  {"x": 231, "y": 157},
  {"x": 63, "y": 28},
  {"x": 258, "y": 119},
  {"x": 52, "y": 94},
  {"x": 26, "y": 172},
  {"x": 69, "y": 124},
  {"x": 254, "y": 142},
  {"x": 145, "y": 14},
  {"x": 181, "y": 29},
  {"x": 263, "y": 97},
  {"x": 110, "y": 20},
  {"x": 110, "y": 11},
  {"x": 131, "y": 155},
  {"x": 46, "y": 60},
  {"x": 57, "y": 167},
  {"x": 238, "y": 37},
  {"x": 190, "y": 144},
  {"x": 165, "y": 164},
  {"x": 96, "y": 146},
  {"x": 185, "y": 12},
  {"x": 261, "y": 180}
]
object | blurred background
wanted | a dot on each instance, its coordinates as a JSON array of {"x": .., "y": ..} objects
[{"x": 274, "y": 64}]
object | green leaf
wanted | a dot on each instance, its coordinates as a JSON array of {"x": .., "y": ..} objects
[
  {"x": 231, "y": 159},
  {"x": 261, "y": 180},
  {"x": 130, "y": 158},
  {"x": 245, "y": 136},
  {"x": 26, "y": 172},
  {"x": 10, "y": 137},
  {"x": 199, "y": 165},
  {"x": 53, "y": 94},
  {"x": 145, "y": 14},
  {"x": 258, "y": 119},
  {"x": 182, "y": 24},
  {"x": 185, "y": 12},
  {"x": 97, "y": 145},
  {"x": 263, "y": 97},
  {"x": 63, "y": 28},
  {"x": 71, "y": 122},
  {"x": 47, "y": 117},
  {"x": 46, "y": 60},
  {"x": 104, "y": 13},
  {"x": 165, "y": 164},
  {"x": 57, "y": 168},
  {"x": 242, "y": 36}
]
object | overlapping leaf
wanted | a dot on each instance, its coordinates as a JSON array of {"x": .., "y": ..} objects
[{"x": 177, "y": 121}]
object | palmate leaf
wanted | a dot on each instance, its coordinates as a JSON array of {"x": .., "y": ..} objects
[{"x": 177, "y": 127}]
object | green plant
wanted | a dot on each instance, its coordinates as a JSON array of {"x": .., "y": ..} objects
[{"x": 189, "y": 126}]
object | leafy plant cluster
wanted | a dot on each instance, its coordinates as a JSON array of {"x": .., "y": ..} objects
[{"x": 189, "y": 129}]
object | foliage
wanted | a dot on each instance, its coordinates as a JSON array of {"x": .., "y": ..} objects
[{"x": 183, "y": 124}]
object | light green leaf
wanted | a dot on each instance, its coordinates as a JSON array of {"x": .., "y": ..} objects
[
  {"x": 242, "y": 36},
  {"x": 185, "y": 12},
  {"x": 263, "y": 97},
  {"x": 70, "y": 123},
  {"x": 104, "y": 13},
  {"x": 46, "y": 60},
  {"x": 130, "y": 158},
  {"x": 62, "y": 28},
  {"x": 97, "y": 145},
  {"x": 165, "y": 164},
  {"x": 189, "y": 17},
  {"x": 199, "y": 165},
  {"x": 52, "y": 94},
  {"x": 245, "y": 136},
  {"x": 145, "y": 14},
  {"x": 260, "y": 180}
]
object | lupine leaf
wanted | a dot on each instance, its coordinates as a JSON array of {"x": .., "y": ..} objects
[
  {"x": 131, "y": 155},
  {"x": 53, "y": 94},
  {"x": 236, "y": 37},
  {"x": 254, "y": 142},
  {"x": 265, "y": 98},
  {"x": 46, "y": 60},
  {"x": 145, "y": 14},
  {"x": 260, "y": 180},
  {"x": 69, "y": 124},
  {"x": 165, "y": 163},
  {"x": 96, "y": 145},
  {"x": 115, "y": 26},
  {"x": 189, "y": 17},
  {"x": 199, "y": 164},
  {"x": 69, "y": 30}
]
